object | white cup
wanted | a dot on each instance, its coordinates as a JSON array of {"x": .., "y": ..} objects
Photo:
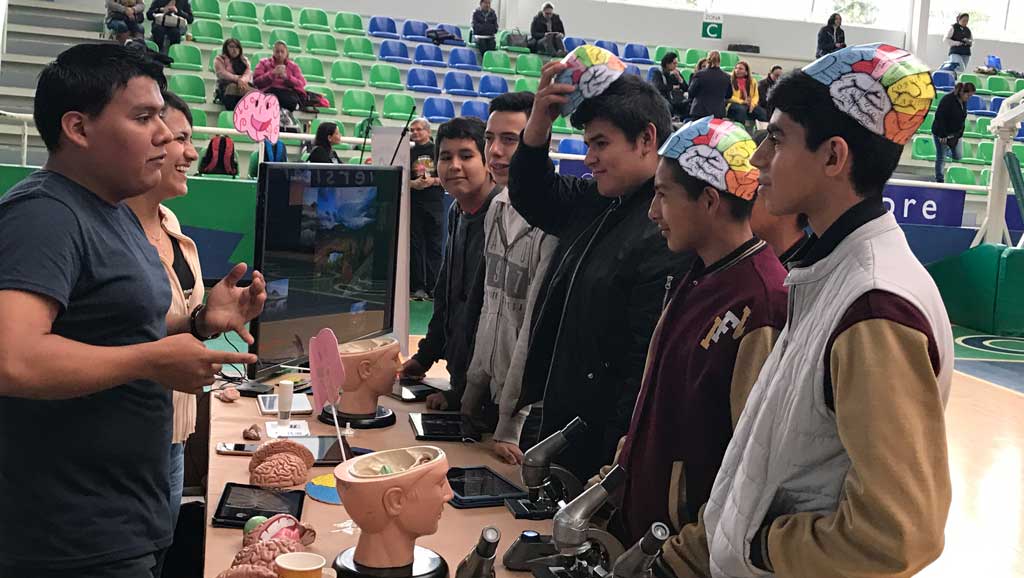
[{"x": 285, "y": 389}]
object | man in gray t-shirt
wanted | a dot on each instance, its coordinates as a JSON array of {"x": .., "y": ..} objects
[{"x": 86, "y": 364}]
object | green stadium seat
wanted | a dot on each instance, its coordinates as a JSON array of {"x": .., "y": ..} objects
[
  {"x": 984, "y": 177},
  {"x": 687, "y": 73},
  {"x": 347, "y": 73},
  {"x": 226, "y": 119},
  {"x": 189, "y": 87},
  {"x": 983, "y": 155},
  {"x": 242, "y": 11},
  {"x": 314, "y": 19},
  {"x": 312, "y": 68},
  {"x": 152, "y": 46},
  {"x": 278, "y": 15},
  {"x": 960, "y": 176},
  {"x": 207, "y": 32},
  {"x": 386, "y": 76},
  {"x": 359, "y": 131},
  {"x": 1018, "y": 151},
  {"x": 199, "y": 118},
  {"x": 980, "y": 129},
  {"x": 360, "y": 48},
  {"x": 693, "y": 56},
  {"x": 662, "y": 50},
  {"x": 357, "y": 103},
  {"x": 729, "y": 60},
  {"x": 254, "y": 164},
  {"x": 529, "y": 65},
  {"x": 248, "y": 35},
  {"x": 1019, "y": 85},
  {"x": 936, "y": 100},
  {"x": 526, "y": 85},
  {"x": 923, "y": 149},
  {"x": 289, "y": 37},
  {"x": 206, "y": 9},
  {"x": 999, "y": 86},
  {"x": 185, "y": 57},
  {"x": 973, "y": 78},
  {"x": 397, "y": 106},
  {"x": 315, "y": 125},
  {"x": 561, "y": 126},
  {"x": 256, "y": 57},
  {"x": 503, "y": 44},
  {"x": 926, "y": 126},
  {"x": 349, "y": 23},
  {"x": 327, "y": 93},
  {"x": 497, "y": 62},
  {"x": 322, "y": 44}
]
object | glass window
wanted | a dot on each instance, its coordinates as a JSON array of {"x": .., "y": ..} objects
[
  {"x": 987, "y": 17},
  {"x": 889, "y": 14}
]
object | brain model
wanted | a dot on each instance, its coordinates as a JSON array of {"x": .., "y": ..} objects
[
  {"x": 248, "y": 571},
  {"x": 591, "y": 69},
  {"x": 263, "y": 553},
  {"x": 280, "y": 464},
  {"x": 281, "y": 527}
]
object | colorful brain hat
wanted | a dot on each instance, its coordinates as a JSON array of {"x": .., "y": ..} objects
[
  {"x": 885, "y": 89},
  {"x": 717, "y": 152},
  {"x": 591, "y": 70}
]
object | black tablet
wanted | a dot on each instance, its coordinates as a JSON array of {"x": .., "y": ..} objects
[
  {"x": 413, "y": 390},
  {"x": 239, "y": 502},
  {"x": 480, "y": 487},
  {"x": 443, "y": 427}
]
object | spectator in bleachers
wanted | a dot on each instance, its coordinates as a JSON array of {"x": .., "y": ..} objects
[
  {"x": 170, "y": 21},
  {"x": 234, "y": 73},
  {"x": 426, "y": 232},
  {"x": 547, "y": 32},
  {"x": 485, "y": 27},
  {"x": 327, "y": 135},
  {"x": 831, "y": 37},
  {"x": 766, "y": 85},
  {"x": 745, "y": 104},
  {"x": 124, "y": 19},
  {"x": 959, "y": 39},
  {"x": 701, "y": 64},
  {"x": 948, "y": 127},
  {"x": 671, "y": 84},
  {"x": 710, "y": 89},
  {"x": 280, "y": 76}
]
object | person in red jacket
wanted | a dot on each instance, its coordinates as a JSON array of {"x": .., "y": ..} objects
[{"x": 280, "y": 76}]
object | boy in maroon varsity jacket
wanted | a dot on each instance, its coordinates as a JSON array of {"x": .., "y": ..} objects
[{"x": 718, "y": 327}]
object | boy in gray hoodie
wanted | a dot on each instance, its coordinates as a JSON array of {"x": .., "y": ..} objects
[{"x": 517, "y": 257}]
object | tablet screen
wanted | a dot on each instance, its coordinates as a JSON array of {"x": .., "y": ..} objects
[
  {"x": 241, "y": 502},
  {"x": 479, "y": 482}
]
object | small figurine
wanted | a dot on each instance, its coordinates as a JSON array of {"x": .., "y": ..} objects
[{"x": 252, "y": 433}]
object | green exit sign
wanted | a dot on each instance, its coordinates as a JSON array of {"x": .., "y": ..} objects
[{"x": 711, "y": 27}]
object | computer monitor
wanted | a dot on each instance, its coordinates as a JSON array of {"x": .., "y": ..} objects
[{"x": 327, "y": 243}]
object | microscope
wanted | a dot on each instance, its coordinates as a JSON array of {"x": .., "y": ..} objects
[
  {"x": 480, "y": 561},
  {"x": 638, "y": 560},
  {"x": 549, "y": 486}
]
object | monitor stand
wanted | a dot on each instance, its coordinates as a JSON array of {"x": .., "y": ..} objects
[{"x": 383, "y": 417}]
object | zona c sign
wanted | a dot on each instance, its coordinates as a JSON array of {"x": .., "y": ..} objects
[{"x": 711, "y": 27}]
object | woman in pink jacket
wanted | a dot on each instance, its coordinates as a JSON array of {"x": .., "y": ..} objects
[{"x": 279, "y": 76}]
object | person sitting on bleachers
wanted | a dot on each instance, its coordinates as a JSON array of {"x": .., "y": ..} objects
[
  {"x": 745, "y": 103},
  {"x": 671, "y": 84},
  {"x": 124, "y": 19},
  {"x": 709, "y": 89},
  {"x": 701, "y": 64},
  {"x": 327, "y": 135},
  {"x": 766, "y": 85},
  {"x": 547, "y": 32},
  {"x": 485, "y": 27},
  {"x": 234, "y": 74},
  {"x": 280, "y": 76},
  {"x": 170, "y": 21}
]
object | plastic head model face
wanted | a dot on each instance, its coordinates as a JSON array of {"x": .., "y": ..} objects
[
  {"x": 395, "y": 497},
  {"x": 258, "y": 115},
  {"x": 370, "y": 369}
]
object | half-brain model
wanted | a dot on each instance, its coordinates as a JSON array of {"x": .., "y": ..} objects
[
  {"x": 280, "y": 464},
  {"x": 885, "y": 89},
  {"x": 717, "y": 152},
  {"x": 281, "y": 527},
  {"x": 591, "y": 70}
]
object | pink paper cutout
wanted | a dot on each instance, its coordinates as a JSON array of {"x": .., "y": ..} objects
[
  {"x": 327, "y": 374},
  {"x": 258, "y": 116}
]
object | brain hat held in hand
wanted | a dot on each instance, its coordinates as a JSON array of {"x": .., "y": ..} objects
[
  {"x": 591, "y": 70},
  {"x": 887, "y": 90},
  {"x": 717, "y": 152}
]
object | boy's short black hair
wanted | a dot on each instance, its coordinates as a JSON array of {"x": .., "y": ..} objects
[
  {"x": 173, "y": 101},
  {"x": 461, "y": 128},
  {"x": 669, "y": 58},
  {"x": 630, "y": 104},
  {"x": 808, "y": 103},
  {"x": 84, "y": 78},
  {"x": 739, "y": 208},
  {"x": 774, "y": 68},
  {"x": 512, "y": 102}
]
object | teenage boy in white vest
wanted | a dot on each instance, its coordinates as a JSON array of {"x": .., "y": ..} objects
[{"x": 838, "y": 466}]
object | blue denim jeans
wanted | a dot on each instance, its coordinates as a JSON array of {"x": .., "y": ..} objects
[
  {"x": 941, "y": 150},
  {"x": 125, "y": 26},
  {"x": 177, "y": 470}
]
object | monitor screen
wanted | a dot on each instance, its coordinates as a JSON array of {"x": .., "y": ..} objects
[{"x": 327, "y": 239}]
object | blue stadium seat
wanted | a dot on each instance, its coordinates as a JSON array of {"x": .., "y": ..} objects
[
  {"x": 438, "y": 109},
  {"x": 976, "y": 106},
  {"x": 609, "y": 46},
  {"x": 422, "y": 80},
  {"x": 572, "y": 43},
  {"x": 415, "y": 30},
  {"x": 572, "y": 146},
  {"x": 475, "y": 108},
  {"x": 429, "y": 55},
  {"x": 943, "y": 80},
  {"x": 1020, "y": 134},
  {"x": 637, "y": 54},
  {"x": 459, "y": 84},
  {"x": 633, "y": 69},
  {"x": 651, "y": 72},
  {"x": 492, "y": 85},
  {"x": 394, "y": 51},
  {"x": 456, "y": 32},
  {"x": 383, "y": 27},
  {"x": 993, "y": 107},
  {"x": 463, "y": 59}
]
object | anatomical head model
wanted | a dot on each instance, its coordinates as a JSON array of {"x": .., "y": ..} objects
[
  {"x": 361, "y": 370},
  {"x": 395, "y": 497}
]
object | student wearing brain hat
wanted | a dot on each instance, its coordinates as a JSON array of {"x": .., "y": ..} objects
[
  {"x": 715, "y": 332},
  {"x": 838, "y": 466}
]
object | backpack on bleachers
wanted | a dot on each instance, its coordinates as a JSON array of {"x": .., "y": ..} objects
[
  {"x": 220, "y": 157},
  {"x": 274, "y": 153}
]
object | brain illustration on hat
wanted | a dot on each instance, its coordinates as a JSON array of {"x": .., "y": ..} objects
[
  {"x": 591, "y": 70},
  {"x": 717, "y": 152},
  {"x": 887, "y": 90}
]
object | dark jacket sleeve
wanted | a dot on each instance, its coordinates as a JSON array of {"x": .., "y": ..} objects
[
  {"x": 432, "y": 347},
  {"x": 319, "y": 155},
  {"x": 485, "y": 24},
  {"x": 155, "y": 7},
  {"x": 826, "y": 44},
  {"x": 949, "y": 121},
  {"x": 185, "y": 10},
  {"x": 537, "y": 28},
  {"x": 658, "y": 80},
  {"x": 556, "y": 24},
  {"x": 544, "y": 198},
  {"x": 696, "y": 85}
]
